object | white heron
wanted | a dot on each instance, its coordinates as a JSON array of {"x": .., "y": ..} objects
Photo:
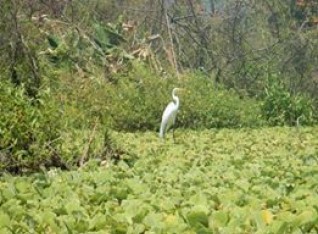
[{"x": 169, "y": 115}]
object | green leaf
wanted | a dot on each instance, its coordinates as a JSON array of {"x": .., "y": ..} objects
[
  {"x": 98, "y": 222},
  {"x": 136, "y": 185},
  {"x": 135, "y": 210},
  {"x": 286, "y": 216},
  {"x": 53, "y": 41},
  {"x": 4, "y": 220},
  {"x": 278, "y": 227},
  {"x": 198, "y": 218},
  {"x": 154, "y": 221},
  {"x": 22, "y": 187},
  {"x": 49, "y": 219},
  {"x": 136, "y": 229},
  {"x": 305, "y": 217},
  {"x": 219, "y": 219},
  {"x": 8, "y": 193}
]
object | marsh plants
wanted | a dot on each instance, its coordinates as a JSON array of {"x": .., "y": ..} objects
[{"x": 210, "y": 181}]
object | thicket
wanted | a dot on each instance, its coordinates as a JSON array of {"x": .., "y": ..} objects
[
  {"x": 141, "y": 96},
  {"x": 73, "y": 70},
  {"x": 29, "y": 130}
]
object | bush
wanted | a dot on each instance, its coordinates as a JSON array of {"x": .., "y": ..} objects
[
  {"x": 212, "y": 106},
  {"x": 137, "y": 101},
  {"x": 280, "y": 107},
  {"x": 29, "y": 130}
]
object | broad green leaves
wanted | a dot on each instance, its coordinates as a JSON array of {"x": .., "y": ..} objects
[{"x": 227, "y": 181}]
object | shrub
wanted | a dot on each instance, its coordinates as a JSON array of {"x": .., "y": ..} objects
[
  {"x": 29, "y": 130},
  {"x": 138, "y": 100},
  {"x": 211, "y": 106},
  {"x": 280, "y": 107}
]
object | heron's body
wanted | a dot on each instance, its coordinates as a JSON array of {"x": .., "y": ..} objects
[{"x": 169, "y": 115}]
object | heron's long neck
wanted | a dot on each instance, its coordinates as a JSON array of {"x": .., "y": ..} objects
[{"x": 175, "y": 99}]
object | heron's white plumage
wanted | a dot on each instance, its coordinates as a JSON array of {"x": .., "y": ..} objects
[{"x": 169, "y": 114}]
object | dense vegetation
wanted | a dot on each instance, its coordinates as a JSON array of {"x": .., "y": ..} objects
[
  {"x": 68, "y": 67},
  {"x": 211, "y": 181},
  {"x": 82, "y": 88}
]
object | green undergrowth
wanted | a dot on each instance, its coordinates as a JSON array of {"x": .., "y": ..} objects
[
  {"x": 134, "y": 101},
  {"x": 211, "y": 181},
  {"x": 29, "y": 130},
  {"x": 48, "y": 131}
]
